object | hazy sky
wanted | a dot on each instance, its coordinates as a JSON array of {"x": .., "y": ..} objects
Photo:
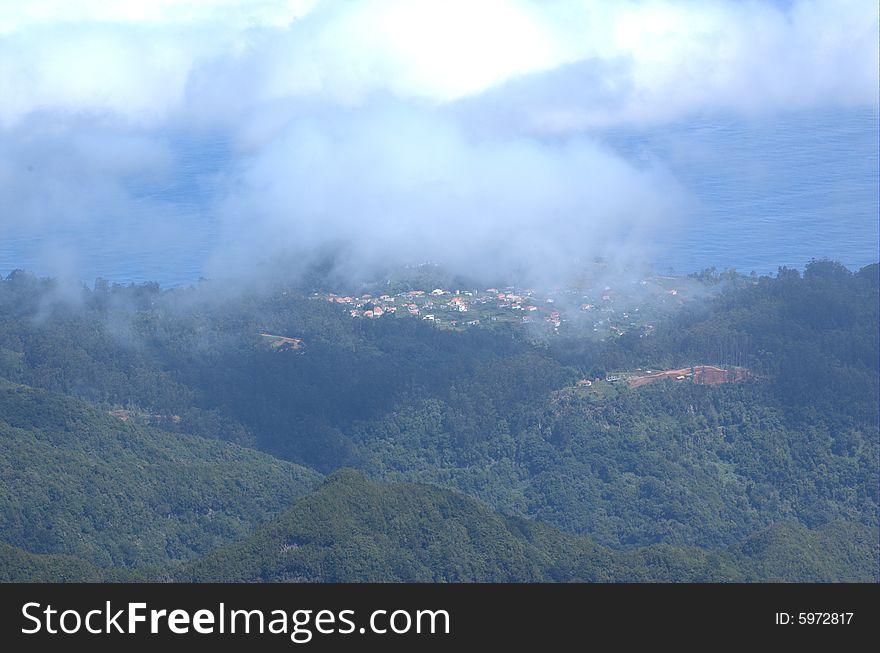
[{"x": 406, "y": 129}]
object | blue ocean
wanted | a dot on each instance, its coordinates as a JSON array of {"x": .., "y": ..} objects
[
  {"x": 767, "y": 193},
  {"x": 770, "y": 192}
]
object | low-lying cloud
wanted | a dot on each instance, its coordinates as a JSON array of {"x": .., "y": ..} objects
[{"x": 397, "y": 184}]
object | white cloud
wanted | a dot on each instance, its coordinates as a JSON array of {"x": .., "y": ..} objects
[
  {"x": 16, "y": 16},
  {"x": 659, "y": 60},
  {"x": 390, "y": 122},
  {"x": 395, "y": 183}
]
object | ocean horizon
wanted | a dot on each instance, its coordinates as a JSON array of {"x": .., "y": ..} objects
[{"x": 765, "y": 192}]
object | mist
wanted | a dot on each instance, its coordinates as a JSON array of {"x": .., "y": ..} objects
[
  {"x": 385, "y": 133},
  {"x": 398, "y": 184}
]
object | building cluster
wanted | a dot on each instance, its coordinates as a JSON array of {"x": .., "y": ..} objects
[
  {"x": 605, "y": 312},
  {"x": 430, "y": 305}
]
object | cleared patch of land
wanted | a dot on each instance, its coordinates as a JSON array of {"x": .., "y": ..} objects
[
  {"x": 283, "y": 343},
  {"x": 701, "y": 374},
  {"x": 143, "y": 417}
]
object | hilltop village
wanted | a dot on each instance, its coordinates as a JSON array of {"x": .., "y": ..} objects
[{"x": 604, "y": 311}]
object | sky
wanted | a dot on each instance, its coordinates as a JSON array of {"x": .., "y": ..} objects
[{"x": 463, "y": 132}]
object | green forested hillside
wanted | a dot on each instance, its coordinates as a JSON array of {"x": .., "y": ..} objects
[
  {"x": 353, "y": 529},
  {"x": 761, "y": 473},
  {"x": 18, "y": 565},
  {"x": 682, "y": 464},
  {"x": 79, "y": 482},
  {"x": 836, "y": 551}
]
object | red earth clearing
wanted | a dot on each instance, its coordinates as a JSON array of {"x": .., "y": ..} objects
[{"x": 702, "y": 374}]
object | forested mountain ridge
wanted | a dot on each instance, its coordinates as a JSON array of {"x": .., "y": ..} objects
[
  {"x": 768, "y": 465},
  {"x": 20, "y": 566},
  {"x": 79, "y": 482},
  {"x": 351, "y": 529}
]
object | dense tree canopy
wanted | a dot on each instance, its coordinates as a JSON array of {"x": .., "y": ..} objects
[{"x": 146, "y": 427}]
